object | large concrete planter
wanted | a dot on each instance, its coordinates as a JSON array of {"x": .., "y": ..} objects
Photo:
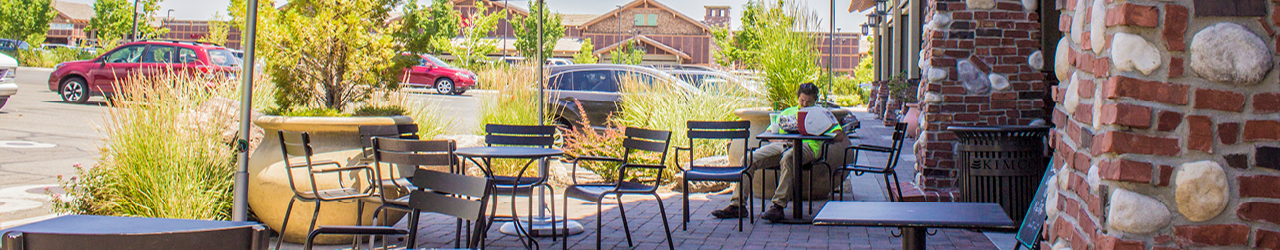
[
  {"x": 759, "y": 118},
  {"x": 332, "y": 138}
]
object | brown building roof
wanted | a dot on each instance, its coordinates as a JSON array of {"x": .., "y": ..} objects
[
  {"x": 649, "y": 41},
  {"x": 576, "y": 19},
  {"x": 655, "y": 3},
  {"x": 74, "y": 11}
]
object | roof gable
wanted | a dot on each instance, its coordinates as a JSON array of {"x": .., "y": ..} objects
[
  {"x": 636, "y": 3},
  {"x": 644, "y": 39},
  {"x": 74, "y": 11}
]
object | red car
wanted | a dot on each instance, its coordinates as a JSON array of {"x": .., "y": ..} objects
[
  {"x": 433, "y": 72},
  {"x": 76, "y": 81}
]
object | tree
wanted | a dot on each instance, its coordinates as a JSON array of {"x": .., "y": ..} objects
[
  {"x": 336, "y": 52},
  {"x": 26, "y": 20},
  {"x": 474, "y": 49},
  {"x": 586, "y": 54},
  {"x": 238, "y": 13},
  {"x": 526, "y": 29},
  {"x": 741, "y": 49},
  {"x": 218, "y": 30},
  {"x": 113, "y": 20},
  {"x": 628, "y": 54},
  {"x": 427, "y": 29}
]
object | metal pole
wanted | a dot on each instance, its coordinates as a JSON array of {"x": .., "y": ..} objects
[
  {"x": 240, "y": 206},
  {"x": 506, "y": 15},
  {"x": 134, "y": 35},
  {"x": 831, "y": 53}
]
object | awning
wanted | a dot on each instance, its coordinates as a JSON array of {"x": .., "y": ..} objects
[{"x": 861, "y": 5}]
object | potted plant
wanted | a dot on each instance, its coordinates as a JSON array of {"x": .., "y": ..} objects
[
  {"x": 903, "y": 91},
  {"x": 329, "y": 60}
]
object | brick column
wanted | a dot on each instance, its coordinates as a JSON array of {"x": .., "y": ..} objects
[
  {"x": 976, "y": 72},
  {"x": 1168, "y": 126}
]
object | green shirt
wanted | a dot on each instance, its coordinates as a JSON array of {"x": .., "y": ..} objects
[{"x": 814, "y": 145}]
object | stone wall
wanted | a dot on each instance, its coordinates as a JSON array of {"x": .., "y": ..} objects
[
  {"x": 980, "y": 64},
  {"x": 1168, "y": 126}
]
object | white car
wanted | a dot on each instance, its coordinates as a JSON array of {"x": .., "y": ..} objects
[{"x": 8, "y": 75}]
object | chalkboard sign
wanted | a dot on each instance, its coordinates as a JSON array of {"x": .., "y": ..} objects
[{"x": 1029, "y": 233}]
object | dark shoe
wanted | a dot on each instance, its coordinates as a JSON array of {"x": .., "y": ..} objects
[
  {"x": 774, "y": 213},
  {"x": 732, "y": 211}
]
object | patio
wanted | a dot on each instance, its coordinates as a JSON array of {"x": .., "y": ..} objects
[{"x": 706, "y": 232}]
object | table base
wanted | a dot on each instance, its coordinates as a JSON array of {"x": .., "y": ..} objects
[
  {"x": 913, "y": 238},
  {"x": 541, "y": 227}
]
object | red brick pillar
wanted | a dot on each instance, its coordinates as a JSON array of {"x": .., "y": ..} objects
[
  {"x": 976, "y": 72},
  {"x": 1168, "y": 126}
]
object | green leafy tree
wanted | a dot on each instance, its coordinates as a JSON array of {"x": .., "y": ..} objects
[
  {"x": 474, "y": 49},
  {"x": 238, "y": 13},
  {"x": 334, "y": 53},
  {"x": 526, "y": 29},
  {"x": 742, "y": 49},
  {"x": 427, "y": 29},
  {"x": 627, "y": 54},
  {"x": 113, "y": 20},
  {"x": 26, "y": 20},
  {"x": 586, "y": 54},
  {"x": 218, "y": 30},
  {"x": 865, "y": 72}
]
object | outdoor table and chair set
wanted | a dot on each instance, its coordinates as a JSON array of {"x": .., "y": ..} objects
[{"x": 417, "y": 168}]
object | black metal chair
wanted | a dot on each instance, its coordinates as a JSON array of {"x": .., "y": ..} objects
[
  {"x": 407, "y": 155},
  {"x": 717, "y": 131},
  {"x": 894, "y": 151},
  {"x": 456, "y": 195},
  {"x": 368, "y": 132},
  {"x": 820, "y": 158},
  {"x": 637, "y": 139},
  {"x": 298, "y": 144},
  {"x": 519, "y": 136}
]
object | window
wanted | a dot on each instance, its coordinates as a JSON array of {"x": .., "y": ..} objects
[
  {"x": 586, "y": 80},
  {"x": 158, "y": 54},
  {"x": 222, "y": 57},
  {"x": 188, "y": 56},
  {"x": 129, "y": 54},
  {"x": 646, "y": 19}
]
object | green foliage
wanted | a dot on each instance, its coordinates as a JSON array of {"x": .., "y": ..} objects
[
  {"x": 627, "y": 54},
  {"x": 331, "y": 53},
  {"x": 865, "y": 72},
  {"x": 159, "y": 157},
  {"x": 741, "y": 49},
  {"x": 787, "y": 55},
  {"x": 218, "y": 30},
  {"x": 526, "y": 31},
  {"x": 426, "y": 29},
  {"x": 314, "y": 112},
  {"x": 584, "y": 140},
  {"x": 430, "y": 117},
  {"x": 266, "y": 13},
  {"x": 26, "y": 20},
  {"x": 586, "y": 54},
  {"x": 51, "y": 57},
  {"x": 474, "y": 50},
  {"x": 515, "y": 101},
  {"x": 113, "y": 20},
  {"x": 389, "y": 110},
  {"x": 900, "y": 89}
]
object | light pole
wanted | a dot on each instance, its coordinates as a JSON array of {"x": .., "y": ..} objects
[
  {"x": 619, "y": 25},
  {"x": 168, "y": 16},
  {"x": 240, "y": 205},
  {"x": 134, "y": 35},
  {"x": 506, "y": 16},
  {"x": 831, "y": 52}
]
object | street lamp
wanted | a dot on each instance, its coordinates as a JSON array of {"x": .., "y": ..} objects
[
  {"x": 866, "y": 28},
  {"x": 168, "y": 16},
  {"x": 882, "y": 7}
]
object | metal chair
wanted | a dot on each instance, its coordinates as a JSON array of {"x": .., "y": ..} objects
[
  {"x": 820, "y": 158},
  {"x": 653, "y": 141},
  {"x": 298, "y": 144},
  {"x": 894, "y": 151},
  {"x": 519, "y": 136},
  {"x": 407, "y": 155},
  {"x": 368, "y": 132},
  {"x": 460, "y": 196},
  {"x": 716, "y": 131}
]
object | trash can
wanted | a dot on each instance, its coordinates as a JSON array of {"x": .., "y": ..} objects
[{"x": 1001, "y": 165}]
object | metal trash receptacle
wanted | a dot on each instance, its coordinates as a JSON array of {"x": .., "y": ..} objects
[{"x": 1001, "y": 164}]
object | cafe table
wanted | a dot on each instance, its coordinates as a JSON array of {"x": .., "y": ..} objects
[
  {"x": 540, "y": 225},
  {"x": 797, "y": 140},
  {"x": 914, "y": 218}
]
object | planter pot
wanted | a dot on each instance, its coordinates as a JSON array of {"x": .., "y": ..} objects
[
  {"x": 332, "y": 138},
  {"x": 912, "y": 117},
  {"x": 759, "y": 118}
]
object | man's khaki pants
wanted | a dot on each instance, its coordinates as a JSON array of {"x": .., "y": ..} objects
[{"x": 780, "y": 153}]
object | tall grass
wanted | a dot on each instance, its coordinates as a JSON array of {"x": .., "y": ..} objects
[
  {"x": 51, "y": 57},
  {"x": 159, "y": 159},
  {"x": 787, "y": 54},
  {"x": 428, "y": 115},
  {"x": 515, "y": 101}
]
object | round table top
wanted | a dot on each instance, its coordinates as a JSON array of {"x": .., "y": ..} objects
[
  {"x": 508, "y": 152},
  {"x": 776, "y": 136}
]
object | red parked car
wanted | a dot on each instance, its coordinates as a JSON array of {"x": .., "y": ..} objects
[
  {"x": 433, "y": 72},
  {"x": 76, "y": 81}
]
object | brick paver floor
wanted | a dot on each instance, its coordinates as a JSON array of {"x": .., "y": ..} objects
[{"x": 706, "y": 232}]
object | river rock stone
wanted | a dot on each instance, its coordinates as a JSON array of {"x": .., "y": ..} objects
[
  {"x": 932, "y": 97},
  {"x": 1202, "y": 191},
  {"x": 1132, "y": 52},
  {"x": 980, "y": 4},
  {"x": 940, "y": 21},
  {"x": 974, "y": 80},
  {"x": 1093, "y": 179},
  {"x": 1064, "y": 177},
  {"x": 936, "y": 74},
  {"x": 1036, "y": 60},
  {"x": 1071, "y": 98},
  {"x": 1030, "y": 5},
  {"x": 998, "y": 82},
  {"x": 1061, "y": 64},
  {"x": 1136, "y": 213},
  {"x": 1051, "y": 200},
  {"x": 1098, "y": 26},
  {"x": 1061, "y": 244},
  {"x": 1230, "y": 53},
  {"x": 1077, "y": 21},
  {"x": 221, "y": 115}
]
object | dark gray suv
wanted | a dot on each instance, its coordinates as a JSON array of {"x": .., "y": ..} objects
[{"x": 598, "y": 88}]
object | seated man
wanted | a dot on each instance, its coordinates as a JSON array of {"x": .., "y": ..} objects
[{"x": 781, "y": 152}]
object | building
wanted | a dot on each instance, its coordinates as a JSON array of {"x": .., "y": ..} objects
[{"x": 68, "y": 26}]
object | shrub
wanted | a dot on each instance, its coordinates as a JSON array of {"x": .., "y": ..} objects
[
  {"x": 516, "y": 99},
  {"x": 787, "y": 56},
  {"x": 388, "y": 110},
  {"x": 159, "y": 158},
  {"x": 51, "y": 57},
  {"x": 429, "y": 116},
  {"x": 583, "y": 140}
]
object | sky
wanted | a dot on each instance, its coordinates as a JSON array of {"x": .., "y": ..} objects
[{"x": 847, "y": 22}]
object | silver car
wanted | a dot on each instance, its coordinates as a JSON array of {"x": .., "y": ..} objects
[
  {"x": 598, "y": 88},
  {"x": 8, "y": 75},
  {"x": 715, "y": 79}
]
